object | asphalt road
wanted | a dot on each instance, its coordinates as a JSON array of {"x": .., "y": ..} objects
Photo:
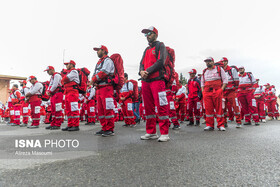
[{"x": 249, "y": 156}]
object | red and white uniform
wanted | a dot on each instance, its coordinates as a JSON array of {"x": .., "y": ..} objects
[
  {"x": 260, "y": 96},
  {"x": 127, "y": 92},
  {"x": 91, "y": 105},
  {"x": 246, "y": 97},
  {"x": 194, "y": 97},
  {"x": 181, "y": 101},
  {"x": 55, "y": 89},
  {"x": 212, "y": 81},
  {"x": 229, "y": 95},
  {"x": 105, "y": 92},
  {"x": 271, "y": 102},
  {"x": 70, "y": 81},
  {"x": 24, "y": 106},
  {"x": 153, "y": 89},
  {"x": 35, "y": 102},
  {"x": 16, "y": 95},
  {"x": 171, "y": 100}
]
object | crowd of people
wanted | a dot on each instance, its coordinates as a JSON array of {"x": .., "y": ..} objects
[{"x": 221, "y": 91}]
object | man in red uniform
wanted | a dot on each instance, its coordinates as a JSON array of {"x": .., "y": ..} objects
[
  {"x": 153, "y": 86},
  {"x": 70, "y": 82},
  {"x": 24, "y": 104},
  {"x": 246, "y": 89},
  {"x": 259, "y": 96},
  {"x": 271, "y": 100},
  {"x": 171, "y": 92},
  {"x": 34, "y": 99},
  {"x": 126, "y": 102},
  {"x": 229, "y": 94},
  {"x": 56, "y": 96},
  {"x": 16, "y": 95},
  {"x": 194, "y": 97},
  {"x": 181, "y": 101},
  {"x": 91, "y": 106},
  {"x": 104, "y": 70},
  {"x": 213, "y": 83}
]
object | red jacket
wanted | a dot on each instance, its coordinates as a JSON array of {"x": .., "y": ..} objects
[{"x": 194, "y": 89}]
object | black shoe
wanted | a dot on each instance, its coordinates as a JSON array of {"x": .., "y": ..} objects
[
  {"x": 247, "y": 123},
  {"x": 74, "y": 128},
  {"x": 137, "y": 121},
  {"x": 225, "y": 125},
  {"x": 99, "y": 133},
  {"x": 54, "y": 128},
  {"x": 181, "y": 122},
  {"x": 257, "y": 124},
  {"x": 197, "y": 123},
  {"x": 176, "y": 127},
  {"x": 108, "y": 133},
  {"x": 65, "y": 128},
  {"x": 48, "y": 127},
  {"x": 91, "y": 123},
  {"x": 125, "y": 125},
  {"x": 190, "y": 124}
]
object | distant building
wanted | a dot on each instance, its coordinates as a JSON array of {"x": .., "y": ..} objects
[{"x": 5, "y": 85}]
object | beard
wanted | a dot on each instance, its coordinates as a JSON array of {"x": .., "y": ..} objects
[
  {"x": 209, "y": 65},
  {"x": 100, "y": 55}
]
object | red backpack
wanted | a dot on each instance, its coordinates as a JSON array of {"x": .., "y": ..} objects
[
  {"x": 135, "y": 90},
  {"x": 83, "y": 77},
  {"x": 169, "y": 65},
  {"x": 118, "y": 78},
  {"x": 44, "y": 95}
]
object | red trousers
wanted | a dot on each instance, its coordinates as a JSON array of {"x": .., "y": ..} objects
[
  {"x": 272, "y": 108},
  {"x": 83, "y": 112},
  {"x": 248, "y": 106},
  {"x": 56, "y": 109},
  {"x": 105, "y": 106},
  {"x": 17, "y": 114},
  {"x": 35, "y": 112},
  {"x": 230, "y": 113},
  {"x": 142, "y": 111},
  {"x": 91, "y": 111},
  {"x": 261, "y": 108},
  {"x": 172, "y": 109},
  {"x": 129, "y": 117},
  {"x": 154, "y": 94},
  {"x": 194, "y": 108},
  {"x": 230, "y": 99},
  {"x": 72, "y": 108},
  {"x": 213, "y": 102},
  {"x": 25, "y": 113},
  {"x": 181, "y": 111},
  {"x": 12, "y": 114}
]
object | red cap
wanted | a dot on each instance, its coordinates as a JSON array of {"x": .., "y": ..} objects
[
  {"x": 31, "y": 77},
  {"x": 49, "y": 68},
  {"x": 209, "y": 59},
  {"x": 257, "y": 79},
  {"x": 24, "y": 81},
  {"x": 193, "y": 71},
  {"x": 103, "y": 47},
  {"x": 267, "y": 84},
  {"x": 224, "y": 59},
  {"x": 241, "y": 67},
  {"x": 71, "y": 62},
  {"x": 150, "y": 29}
]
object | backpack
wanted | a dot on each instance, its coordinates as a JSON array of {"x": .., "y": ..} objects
[
  {"x": 83, "y": 77},
  {"x": 169, "y": 65},
  {"x": 118, "y": 77},
  {"x": 135, "y": 90},
  {"x": 44, "y": 95}
]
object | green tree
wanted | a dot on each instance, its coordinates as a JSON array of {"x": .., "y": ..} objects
[{"x": 182, "y": 79}]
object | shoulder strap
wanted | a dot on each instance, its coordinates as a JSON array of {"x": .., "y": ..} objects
[{"x": 157, "y": 48}]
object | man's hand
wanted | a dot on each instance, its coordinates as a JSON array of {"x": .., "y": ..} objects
[
  {"x": 122, "y": 98},
  {"x": 144, "y": 74}
]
